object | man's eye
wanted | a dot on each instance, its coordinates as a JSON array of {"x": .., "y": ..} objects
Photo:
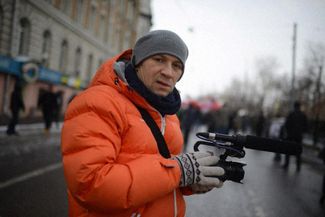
[
  {"x": 158, "y": 59},
  {"x": 178, "y": 66}
]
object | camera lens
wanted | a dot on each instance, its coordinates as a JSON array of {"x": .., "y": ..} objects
[{"x": 233, "y": 171}]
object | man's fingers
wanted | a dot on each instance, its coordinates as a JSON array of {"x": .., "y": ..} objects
[
  {"x": 199, "y": 155},
  {"x": 208, "y": 161},
  {"x": 211, "y": 182},
  {"x": 212, "y": 171},
  {"x": 197, "y": 188}
]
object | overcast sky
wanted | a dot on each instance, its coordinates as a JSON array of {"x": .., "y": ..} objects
[{"x": 226, "y": 37}]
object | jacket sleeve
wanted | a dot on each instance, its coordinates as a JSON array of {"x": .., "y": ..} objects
[{"x": 91, "y": 142}]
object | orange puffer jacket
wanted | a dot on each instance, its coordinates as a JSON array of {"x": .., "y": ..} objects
[{"x": 111, "y": 162}]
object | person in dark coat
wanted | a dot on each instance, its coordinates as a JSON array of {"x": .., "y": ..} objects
[
  {"x": 57, "y": 109},
  {"x": 48, "y": 103},
  {"x": 260, "y": 124},
  {"x": 295, "y": 126},
  {"x": 190, "y": 116},
  {"x": 16, "y": 104},
  {"x": 322, "y": 156}
]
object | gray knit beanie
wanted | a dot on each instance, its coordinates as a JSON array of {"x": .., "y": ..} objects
[{"x": 159, "y": 42}]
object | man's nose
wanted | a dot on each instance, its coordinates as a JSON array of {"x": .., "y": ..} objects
[{"x": 168, "y": 70}]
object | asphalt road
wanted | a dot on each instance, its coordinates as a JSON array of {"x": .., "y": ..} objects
[
  {"x": 32, "y": 184},
  {"x": 267, "y": 191}
]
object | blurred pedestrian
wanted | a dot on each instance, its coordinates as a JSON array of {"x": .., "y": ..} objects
[
  {"x": 58, "y": 106},
  {"x": 260, "y": 124},
  {"x": 48, "y": 103},
  {"x": 295, "y": 126},
  {"x": 322, "y": 156},
  {"x": 276, "y": 131},
  {"x": 16, "y": 104},
  {"x": 190, "y": 117},
  {"x": 122, "y": 142},
  {"x": 233, "y": 122},
  {"x": 210, "y": 121},
  {"x": 221, "y": 117}
]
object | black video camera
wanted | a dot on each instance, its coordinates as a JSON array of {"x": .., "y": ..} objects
[{"x": 233, "y": 146}]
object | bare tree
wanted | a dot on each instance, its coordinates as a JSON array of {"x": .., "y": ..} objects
[
  {"x": 311, "y": 85},
  {"x": 271, "y": 85}
]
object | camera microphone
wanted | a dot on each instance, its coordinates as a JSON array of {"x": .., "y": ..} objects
[{"x": 257, "y": 143}]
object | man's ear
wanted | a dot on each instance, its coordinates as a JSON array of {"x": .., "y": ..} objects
[{"x": 136, "y": 69}]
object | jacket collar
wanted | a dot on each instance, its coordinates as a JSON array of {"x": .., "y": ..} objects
[{"x": 107, "y": 75}]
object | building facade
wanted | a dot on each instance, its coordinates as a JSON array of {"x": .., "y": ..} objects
[{"x": 61, "y": 43}]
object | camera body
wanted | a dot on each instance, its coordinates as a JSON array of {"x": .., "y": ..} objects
[{"x": 233, "y": 170}]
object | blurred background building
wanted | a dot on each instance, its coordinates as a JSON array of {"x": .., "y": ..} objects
[{"x": 61, "y": 43}]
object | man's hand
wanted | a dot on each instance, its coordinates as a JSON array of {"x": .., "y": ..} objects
[
  {"x": 199, "y": 171},
  {"x": 201, "y": 189}
]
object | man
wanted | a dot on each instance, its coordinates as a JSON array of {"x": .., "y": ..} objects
[
  {"x": 322, "y": 156},
  {"x": 16, "y": 104},
  {"x": 48, "y": 104},
  {"x": 111, "y": 161},
  {"x": 190, "y": 117},
  {"x": 295, "y": 126},
  {"x": 276, "y": 131}
]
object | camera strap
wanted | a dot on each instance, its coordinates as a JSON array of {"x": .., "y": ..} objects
[{"x": 161, "y": 143}]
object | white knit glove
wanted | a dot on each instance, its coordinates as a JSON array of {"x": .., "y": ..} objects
[
  {"x": 199, "y": 171},
  {"x": 201, "y": 189}
]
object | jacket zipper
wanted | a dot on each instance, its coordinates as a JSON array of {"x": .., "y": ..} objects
[
  {"x": 163, "y": 124},
  {"x": 163, "y": 127}
]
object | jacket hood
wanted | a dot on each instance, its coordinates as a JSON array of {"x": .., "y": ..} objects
[
  {"x": 111, "y": 74},
  {"x": 106, "y": 75}
]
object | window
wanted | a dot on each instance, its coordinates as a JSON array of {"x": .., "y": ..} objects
[
  {"x": 92, "y": 21},
  {"x": 90, "y": 66},
  {"x": 80, "y": 11},
  {"x": 122, "y": 7},
  {"x": 46, "y": 48},
  {"x": 77, "y": 62},
  {"x": 24, "y": 37},
  {"x": 66, "y": 7},
  {"x": 130, "y": 11},
  {"x": 102, "y": 27},
  {"x": 63, "y": 56},
  {"x": 1, "y": 24}
]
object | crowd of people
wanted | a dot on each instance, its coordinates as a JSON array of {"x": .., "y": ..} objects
[
  {"x": 222, "y": 120},
  {"x": 49, "y": 103},
  {"x": 291, "y": 127}
]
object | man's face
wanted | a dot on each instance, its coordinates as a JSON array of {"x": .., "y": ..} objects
[{"x": 159, "y": 73}]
